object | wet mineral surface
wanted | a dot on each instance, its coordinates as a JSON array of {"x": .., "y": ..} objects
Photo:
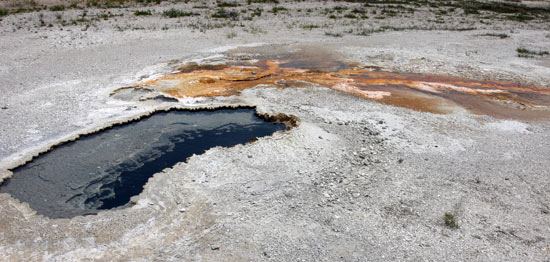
[
  {"x": 426, "y": 93},
  {"x": 104, "y": 170}
]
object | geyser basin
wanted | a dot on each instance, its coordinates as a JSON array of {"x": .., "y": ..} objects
[{"x": 104, "y": 170}]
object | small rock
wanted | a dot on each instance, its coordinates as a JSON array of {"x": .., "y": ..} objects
[{"x": 4, "y": 107}]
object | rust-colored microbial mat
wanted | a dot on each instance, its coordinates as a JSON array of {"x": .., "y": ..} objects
[{"x": 435, "y": 94}]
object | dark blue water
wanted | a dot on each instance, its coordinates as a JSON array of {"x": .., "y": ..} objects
[{"x": 104, "y": 170}]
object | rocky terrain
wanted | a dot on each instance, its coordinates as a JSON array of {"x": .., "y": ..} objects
[{"x": 356, "y": 180}]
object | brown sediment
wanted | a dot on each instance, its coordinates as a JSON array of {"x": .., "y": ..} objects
[
  {"x": 402, "y": 96},
  {"x": 193, "y": 66},
  {"x": 289, "y": 121},
  {"x": 426, "y": 93}
]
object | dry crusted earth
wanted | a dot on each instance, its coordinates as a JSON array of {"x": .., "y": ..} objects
[{"x": 355, "y": 181}]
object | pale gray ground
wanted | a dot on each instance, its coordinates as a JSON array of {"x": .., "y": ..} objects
[{"x": 356, "y": 180}]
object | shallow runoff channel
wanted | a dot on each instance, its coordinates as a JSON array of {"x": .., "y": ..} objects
[{"x": 104, "y": 170}]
